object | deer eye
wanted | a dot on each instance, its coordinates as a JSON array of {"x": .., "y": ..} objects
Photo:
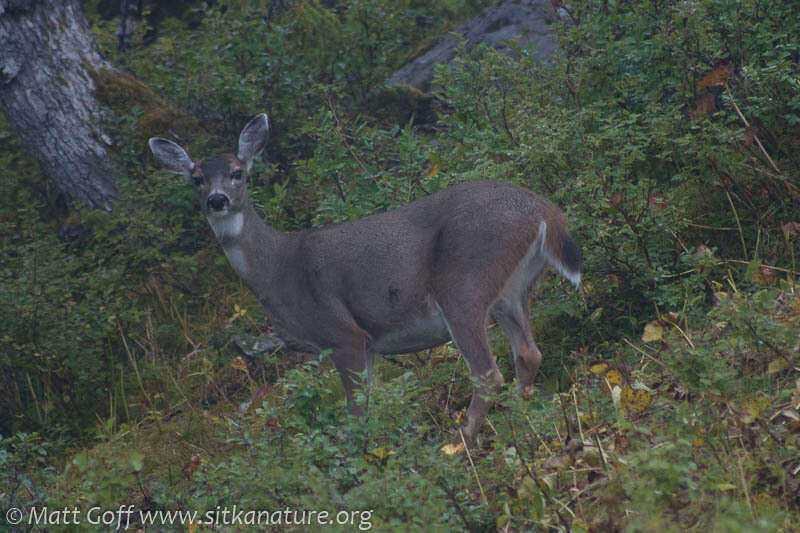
[
  {"x": 236, "y": 175},
  {"x": 197, "y": 180}
]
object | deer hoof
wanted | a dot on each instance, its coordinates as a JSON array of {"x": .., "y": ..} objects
[{"x": 528, "y": 392}]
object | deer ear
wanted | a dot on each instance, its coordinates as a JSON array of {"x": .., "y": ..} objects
[
  {"x": 252, "y": 139},
  {"x": 171, "y": 156}
]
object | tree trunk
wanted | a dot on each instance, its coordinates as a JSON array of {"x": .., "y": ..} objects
[
  {"x": 128, "y": 13},
  {"x": 48, "y": 60}
]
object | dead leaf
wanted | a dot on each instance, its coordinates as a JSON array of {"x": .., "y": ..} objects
[
  {"x": 704, "y": 105},
  {"x": 273, "y": 424},
  {"x": 717, "y": 77},
  {"x": 258, "y": 397},
  {"x": 788, "y": 413},
  {"x": 620, "y": 443},
  {"x": 192, "y": 466},
  {"x": 653, "y": 331},
  {"x": 239, "y": 364},
  {"x": 791, "y": 229},
  {"x": 656, "y": 200},
  {"x": 453, "y": 449},
  {"x": 703, "y": 251},
  {"x": 764, "y": 277},
  {"x": 749, "y": 135},
  {"x": 616, "y": 396}
]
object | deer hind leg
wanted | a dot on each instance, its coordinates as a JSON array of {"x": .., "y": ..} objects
[
  {"x": 469, "y": 336},
  {"x": 512, "y": 317},
  {"x": 354, "y": 365}
]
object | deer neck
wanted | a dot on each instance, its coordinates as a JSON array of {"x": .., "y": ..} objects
[{"x": 249, "y": 244}]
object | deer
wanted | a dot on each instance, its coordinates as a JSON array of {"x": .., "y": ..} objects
[{"x": 401, "y": 281}]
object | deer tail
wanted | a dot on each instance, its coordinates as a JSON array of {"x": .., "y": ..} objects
[{"x": 560, "y": 250}]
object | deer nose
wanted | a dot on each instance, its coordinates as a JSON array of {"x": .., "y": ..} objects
[{"x": 217, "y": 202}]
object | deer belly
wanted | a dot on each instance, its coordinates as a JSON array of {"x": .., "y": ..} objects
[{"x": 412, "y": 335}]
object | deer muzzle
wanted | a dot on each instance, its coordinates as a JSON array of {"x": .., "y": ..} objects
[{"x": 217, "y": 202}]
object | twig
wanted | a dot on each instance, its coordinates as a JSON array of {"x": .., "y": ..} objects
[
  {"x": 451, "y": 494},
  {"x": 747, "y": 124},
  {"x": 768, "y": 267},
  {"x": 738, "y": 223},
  {"x": 744, "y": 481},
  {"x": 629, "y": 343},
  {"x": 344, "y": 141},
  {"x": 484, "y": 500},
  {"x": 602, "y": 452},
  {"x": 546, "y": 447},
  {"x": 543, "y": 487},
  {"x": 685, "y": 336},
  {"x": 703, "y": 226},
  {"x": 578, "y": 415}
]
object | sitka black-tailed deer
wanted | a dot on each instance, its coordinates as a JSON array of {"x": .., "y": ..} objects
[{"x": 396, "y": 282}]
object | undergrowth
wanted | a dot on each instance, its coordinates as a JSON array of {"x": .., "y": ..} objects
[{"x": 669, "y": 396}]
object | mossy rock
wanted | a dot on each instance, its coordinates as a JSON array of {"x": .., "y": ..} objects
[
  {"x": 397, "y": 104},
  {"x": 122, "y": 93}
]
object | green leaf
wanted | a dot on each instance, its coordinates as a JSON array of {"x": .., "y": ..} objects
[{"x": 137, "y": 461}]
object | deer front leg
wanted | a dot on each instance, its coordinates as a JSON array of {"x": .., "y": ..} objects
[{"x": 353, "y": 364}]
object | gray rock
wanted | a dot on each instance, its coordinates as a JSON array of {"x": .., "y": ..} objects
[{"x": 528, "y": 21}]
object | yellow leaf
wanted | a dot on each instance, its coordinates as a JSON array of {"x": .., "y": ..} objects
[
  {"x": 653, "y": 331},
  {"x": 431, "y": 171},
  {"x": 635, "y": 401},
  {"x": 777, "y": 365},
  {"x": 239, "y": 364},
  {"x": 614, "y": 377},
  {"x": 598, "y": 369},
  {"x": 453, "y": 449},
  {"x": 379, "y": 455},
  {"x": 747, "y": 416}
]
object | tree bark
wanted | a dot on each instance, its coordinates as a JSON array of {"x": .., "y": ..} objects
[
  {"x": 128, "y": 13},
  {"x": 48, "y": 59}
]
